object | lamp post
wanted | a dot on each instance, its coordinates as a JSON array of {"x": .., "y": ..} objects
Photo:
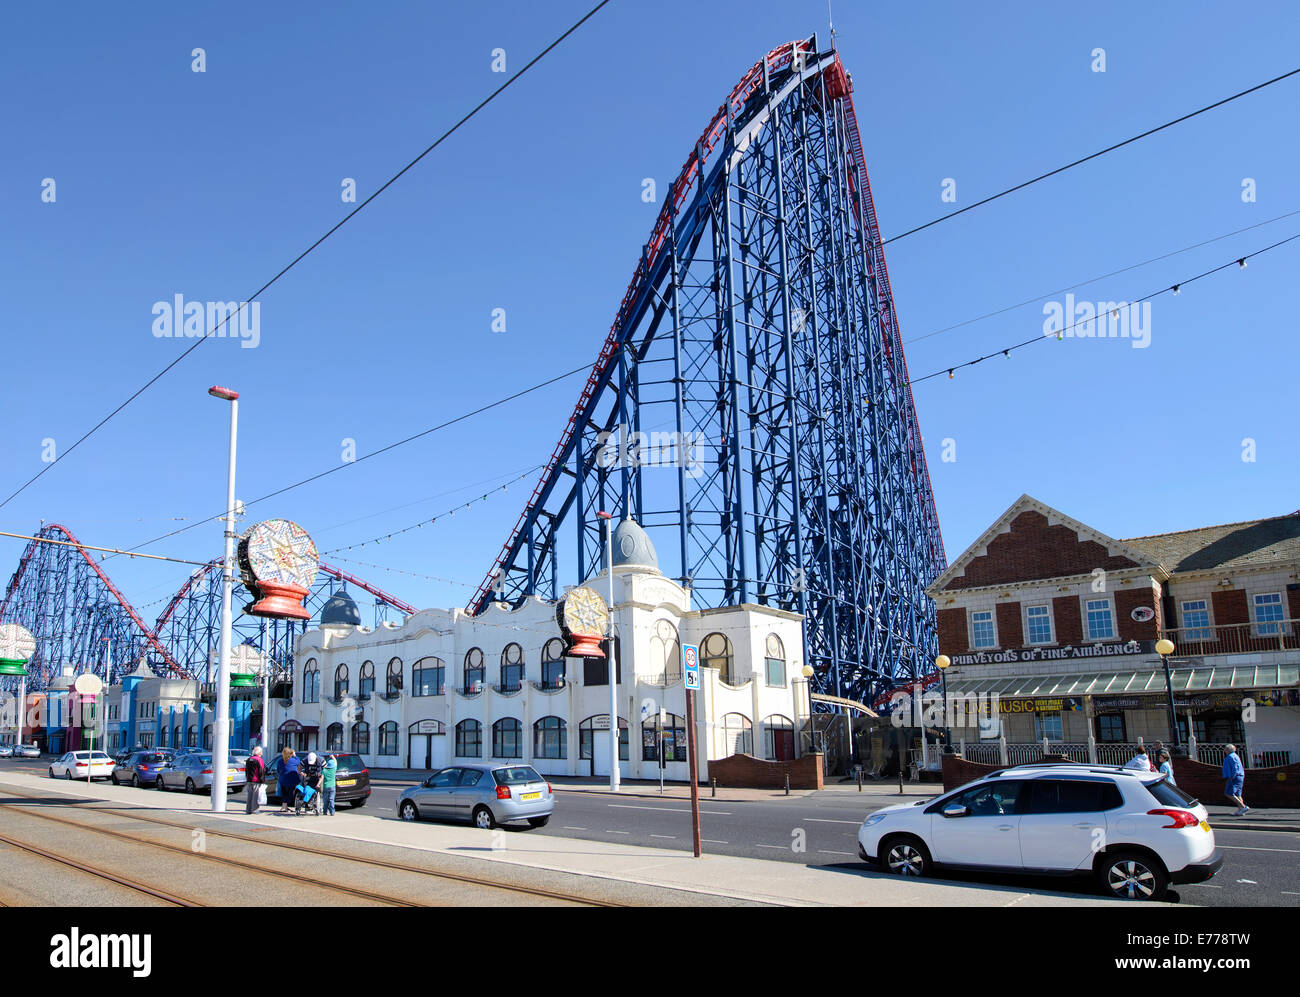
[
  {"x": 1164, "y": 648},
  {"x": 108, "y": 675},
  {"x": 942, "y": 662},
  {"x": 221, "y": 722},
  {"x": 613, "y": 659},
  {"x": 807, "y": 673}
]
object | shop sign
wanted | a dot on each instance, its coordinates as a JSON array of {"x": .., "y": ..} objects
[
  {"x": 1070, "y": 652},
  {"x": 1028, "y": 705}
]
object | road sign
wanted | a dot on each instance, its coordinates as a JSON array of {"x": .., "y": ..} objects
[{"x": 691, "y": 665}]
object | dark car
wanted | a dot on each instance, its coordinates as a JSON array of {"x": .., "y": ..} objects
[
  {"x": 141, "y": 768},
  {"x": 352, "y": 779}
]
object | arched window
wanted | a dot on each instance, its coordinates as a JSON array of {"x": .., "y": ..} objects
[
  {"x": 334, "y": 737},
  {"x": 192, "y": 737},
  {"x": 340, "y": 681},
  {"x": 665, "y": 655},
  {"x": 512, "y": 671},
  {"x": 778, "y": 739},
  {"x": 394, "y": 684},
  {"x": 469, "y": 739},
  {"x": 550, "y": 738},
  {"x": 716, "y": 653},
  {"x": 507, "y": 739},
  {"x": 388, "y": 738},
  {"x": 311, "y": 682},
  {"x": 176, "y": 736},
  {"x": 737, "y": 735},
  {"x": 670, "y": 732},
  {"x": 207, "y": 738},
  {"x": 474, "y": 670},
  {"x": 427, "y": 677},
  {"x": 553, "y": 665},
  {"x": 361, "y": 738},
  {"x": 774, "y": 661},
  {"x": 367, "y": 685},
  {"x": 588, "y": 729}
]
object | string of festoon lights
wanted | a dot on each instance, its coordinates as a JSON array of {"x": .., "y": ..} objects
[{"x": 432, "y": 519}]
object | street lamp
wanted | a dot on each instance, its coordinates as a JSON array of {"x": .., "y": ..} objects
[
  {"x": 942, "y": 662},
  {"x": 1164, "y": 648},
  {"x": 807, "y": 673},
  {"x": 221, "y": 722},
  {"x": 613, "y": 660}
]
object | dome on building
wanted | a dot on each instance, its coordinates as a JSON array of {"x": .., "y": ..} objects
[
  {"x": 340, "y": 611},
  {"x": 633, "y": 548}
]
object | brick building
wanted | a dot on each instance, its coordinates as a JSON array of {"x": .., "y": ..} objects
[{"x": 1059, "y": 622}]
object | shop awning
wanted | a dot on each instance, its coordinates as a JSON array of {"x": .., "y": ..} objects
[{"x": 1198, "y": 678}]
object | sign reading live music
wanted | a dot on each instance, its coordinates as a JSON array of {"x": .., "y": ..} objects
[{"x": 1070, "y": 652}]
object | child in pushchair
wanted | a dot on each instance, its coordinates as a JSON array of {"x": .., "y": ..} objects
[{"x": 306, "y": 799}]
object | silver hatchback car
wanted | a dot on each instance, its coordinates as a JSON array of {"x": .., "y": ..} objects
[
  {"x": 193, "y": 772},
  {"x": 484, "y": 795}
]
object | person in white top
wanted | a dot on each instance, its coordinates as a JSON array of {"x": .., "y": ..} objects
[
  {"x": 1166, "y": 768},
  {"x": 1139, "y": 760}
]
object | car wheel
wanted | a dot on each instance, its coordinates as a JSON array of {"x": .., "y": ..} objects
[
  {"x": 408, "y": 811},
  {"x": 67, "y": 774},
  {"x": 539, "y": 821},
  {"x": 905, "y": 856},
  {"x": 1133, "y": 875},
  {"x": 113, "y": 779},
  {"x": 483, "y": 819},
  {"x": 51, "y": 771},
  {"x": 189, "y": 786},
  {"x": 160, "y": 785},
  {"x": 358, "y": 804},
  {"x": 135, "y": 781}
]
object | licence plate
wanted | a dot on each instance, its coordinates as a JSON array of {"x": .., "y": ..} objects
[
  {"x": 230, "y": 777},
  {"x": 1205, "y": 825},
  {"x": 348, "y": 782},
  {"x": 530, "y": 796}
]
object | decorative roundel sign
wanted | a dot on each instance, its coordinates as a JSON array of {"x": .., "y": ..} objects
[
  {"x": 278, "y": 562},
  {"x": 88, "y": 684},
  {"x": 17, "y": 646},
  {"x": 583, "y": 617},
  {"x": 1143, "y": 614}
]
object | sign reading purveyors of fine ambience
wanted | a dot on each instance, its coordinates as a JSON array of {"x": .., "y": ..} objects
[{"x": 1119, "y": 649}]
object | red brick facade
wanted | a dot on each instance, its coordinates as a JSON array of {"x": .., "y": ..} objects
[
  {"x": 953, "y": 638},
  {"x": 1127, "y": 600},
  {"x": 1010, "y": 629},
  {"x": 755, "y": 773},
  {"x": 1035, "y": 550},
  {"x": 1067, "y": 614},
  {"x": 1230, "y": 607}
]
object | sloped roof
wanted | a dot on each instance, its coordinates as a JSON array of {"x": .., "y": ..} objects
[{"x": 1231, "y": 545}]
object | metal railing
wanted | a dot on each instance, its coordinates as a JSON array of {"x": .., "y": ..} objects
[{"x": 1234, "y": 638}]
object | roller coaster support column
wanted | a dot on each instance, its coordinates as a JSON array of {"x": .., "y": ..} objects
[{"x": 221, "y": 722}]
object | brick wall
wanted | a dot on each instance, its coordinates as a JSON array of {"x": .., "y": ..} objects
[
  {"x": 1293, "y": 601},
  {"x": 953, "y": 638},
  {"x": 1068, "y": 617},
  {"x": 1126, "y": 600},
  {"x": 1035, "y": 550},
  {"x": 1230, "y": 606},
  {"x": 748, "y": 772},
  {"x": 1010, "y": 627}
]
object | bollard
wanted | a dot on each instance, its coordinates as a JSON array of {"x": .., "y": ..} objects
[
  {"x": 787, "y": 784},
  {"x": 859, "y": 780},
  {"x": 713, "y": 786}
]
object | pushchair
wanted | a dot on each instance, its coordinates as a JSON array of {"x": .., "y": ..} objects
[{"x": 306, "y": 799}]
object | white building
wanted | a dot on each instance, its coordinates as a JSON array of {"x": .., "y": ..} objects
[{"x": 445, "y": 685}]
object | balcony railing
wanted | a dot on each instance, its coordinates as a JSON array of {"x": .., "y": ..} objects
[
  {"x": 554, "y": 685},
  {"x": 1234, "y": 638},
  {"x": 507, "y": 688}
]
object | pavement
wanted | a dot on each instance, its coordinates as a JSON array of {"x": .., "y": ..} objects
[{"x": 847, "y": 883}]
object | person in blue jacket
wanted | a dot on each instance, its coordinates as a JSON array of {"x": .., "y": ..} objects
[
  {"x": 290, "y": 764},
  {"x": 1234, "y": 779}
]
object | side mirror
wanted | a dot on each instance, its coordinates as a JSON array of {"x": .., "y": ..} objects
[{"x": 955, "y": 810}]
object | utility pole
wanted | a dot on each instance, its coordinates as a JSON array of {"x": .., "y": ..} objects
[{"x": 221, "y": 722}]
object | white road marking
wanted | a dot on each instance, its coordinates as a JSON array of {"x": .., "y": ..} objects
[
  {"x": 620, "y": 832},
  {"x": 1288, "y": 893},
  {"x": 1254, "y": 848},
  {"x": 671, "y": 810},
  {"x": 827, "y": 851},
  {"x": 780, "y": 848},
  {"x": 1250, "y": 881},
  {"x": 670, "y": 836},
  {"x": 711, "y": 841},
  {"x": 568, "y": 828},
  {"x": 828, "y": 820}
]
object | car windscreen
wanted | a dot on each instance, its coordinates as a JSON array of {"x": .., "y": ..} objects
[
  {"x": 152, "y": 759},
  {"x": 349, "y": 763},
  {"x": 515, "y": 775},
  {"x": 1170, "y": 795}
]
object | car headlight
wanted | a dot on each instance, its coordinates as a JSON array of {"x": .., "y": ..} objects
[{"x": 873, "y": 819}]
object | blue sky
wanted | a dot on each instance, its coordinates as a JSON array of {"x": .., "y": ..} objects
[{"x": 205, "y": 184}]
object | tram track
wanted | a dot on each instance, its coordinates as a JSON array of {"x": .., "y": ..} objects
[{"x": 299, "y": 848}]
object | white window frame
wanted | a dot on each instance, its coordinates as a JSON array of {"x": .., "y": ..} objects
[
  {"x": 1051, "y": 624},
  {"x": 1187, "y": 628},
  {"x": 1114, "y": 623},
  {"x": 1279, "y": 625},
  {"x": 993, "y": 621},
  {"x": 1039, "y": 725}
]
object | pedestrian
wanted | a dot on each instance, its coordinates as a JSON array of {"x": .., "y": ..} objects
[
  {"x": 255, "y": 776},
  {"x": 289, "y": 766},
  {"x": 1154, "y": 755},
  {"x": 330, "y": 784},
  {"x": 311, "y": 774},
  {"x": 1234, "y": 780},
  {"x": 1166, "y": 767},
  {"x": 1139, "y": 760}
]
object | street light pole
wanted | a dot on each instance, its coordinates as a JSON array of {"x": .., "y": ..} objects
[
  {"x": 221, "y": 722},
  {"x": 1164, "y": 648},
  {"x": 942, "y": 662},
  {"x": 108, "y": 674},
  {"x": 613, "y": 659}
]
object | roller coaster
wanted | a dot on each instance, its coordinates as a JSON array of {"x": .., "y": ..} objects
[{"x": 750, "y": 408}]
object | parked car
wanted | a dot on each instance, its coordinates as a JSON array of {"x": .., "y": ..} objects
[
  {"x": 484, "y": 795},
  {"x": 6, "y": 750},
  {"x": 192, "y": 772},
  {"x": 27, "y": 751},
  {"x": 76, "y": 765},
  {"x": 141, "y": 768},
  {"x": 352, "y": 779},
  {"x": 1134, "y": 831}
]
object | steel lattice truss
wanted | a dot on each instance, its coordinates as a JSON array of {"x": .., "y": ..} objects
[
  {"x": 62, "y": 595},
  {"x": 758, "y": 337}
]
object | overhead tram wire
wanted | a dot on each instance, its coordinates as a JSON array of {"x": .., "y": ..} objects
[
  {"x": 301, "y": 256},
  {"x": 1005, "y": 351},
  {"x": 1100, "y": 152},
  {"x": 111, "y": 550}
]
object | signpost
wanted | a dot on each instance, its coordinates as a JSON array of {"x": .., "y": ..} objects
[{"x": 691, "y": 668}]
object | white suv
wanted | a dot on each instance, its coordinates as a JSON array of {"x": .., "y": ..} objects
[{"x": 1134, "y": 831}]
